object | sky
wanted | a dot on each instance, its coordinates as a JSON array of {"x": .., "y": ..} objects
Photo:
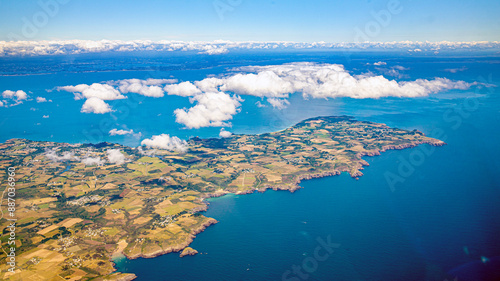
[{"x": 251, "y": 20}]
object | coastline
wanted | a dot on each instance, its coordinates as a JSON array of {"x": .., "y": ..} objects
[
  {"x": 354, "y": 174},
  {"x": 175, "y": 248},
  {"x": 279, "y": 166}
]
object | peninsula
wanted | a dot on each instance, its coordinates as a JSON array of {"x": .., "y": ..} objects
[{"x": 76, "y": 210}]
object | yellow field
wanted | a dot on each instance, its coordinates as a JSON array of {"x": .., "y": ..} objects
[
  {"x": 69, "y": 222},
  {"x": 48, "y": 229}
]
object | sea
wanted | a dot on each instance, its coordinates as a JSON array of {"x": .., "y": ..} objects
[{"x": 425, "y": 213}]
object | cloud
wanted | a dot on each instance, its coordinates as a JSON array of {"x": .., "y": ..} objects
[
  {"x": 394, "y": 71},
  {"x": 116, "y": 132},
  {"x": 224, "y": 134},
  {"x": 40, "y": 99},
  {"x": 66, "y": 156},
  {"x": 313, "y": 80},
  {"x": 165, "y": 141},
  {"x": 399, "y": 67},
  {"x": 380, "y": 63},
  {"x": 18, "y": 95},
  {"x": 92, "y": 161},
  {"x": 96, "y": 105},
  {"x": 455, "y": 70},
  {"x": 45, "y": 116},
  {"x": 1, "y": 104},
  {"x": 209, "y": 84},
  {"x": 278, "y": 103},
  {"x": 149, "y": 81},
  {"x": 151, "y": 152},
  {"x": 211, "y": 110},
  {"x": 115, "y": 156},
  {"x": 214, "y": 50},
  {"x": 66, "y": 47},
  {"x": 149, "y": 88},
  {"x": 214, "y": 106},
  {"x": 184, "y": 89},
  {"x": 13, "y": 97},
  {"x": 259, "y": 104},
  {"x": 95, "y": 90},
  {"x": 266, "y": 83},
  {"x": 332, "y": 80},
  {"x": 97, "y": 93}
]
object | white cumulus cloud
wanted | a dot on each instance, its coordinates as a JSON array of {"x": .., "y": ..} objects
[
  {"x": 224, "y": 134},
  {"x": 40, "y": 99},
  {"x": 263, "y": 84},
  {"x": 19, "y": 94},
  {"x": 184, "y": 89},
  {"x": 95, "y": 94},
  {"x": 165, "y": 141},
  {"x": 115, "y": 132},
  {"x": 209, "y": 84},
  {"x": 95, "y": 90},
  {"x": 115, "y": 156},
  {"x": 66, "y": 156},
  {"x": 149, "y": 88},
  {"x": 95, "y": 105},
  {"x": 13, "y": 97},
  {"x": 121, "y": 132},
  {"x": 92, "y": 161},
  {"x": 332, "y": 80},
  {"x": 211, "y": 110},
  {"x": 214, "y": 106}
]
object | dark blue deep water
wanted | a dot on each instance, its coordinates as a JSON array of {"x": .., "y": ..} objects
[
  {"x": 434, "y": 226},
  {"x": 417, "y": 214}
]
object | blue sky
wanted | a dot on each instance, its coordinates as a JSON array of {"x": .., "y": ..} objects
[{"x": 258, "y": 20}]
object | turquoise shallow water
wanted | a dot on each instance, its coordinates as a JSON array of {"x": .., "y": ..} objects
[{"x": 435, "y": 224}]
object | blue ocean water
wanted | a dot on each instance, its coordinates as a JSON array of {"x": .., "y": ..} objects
[{"x": 435, "y": 223}]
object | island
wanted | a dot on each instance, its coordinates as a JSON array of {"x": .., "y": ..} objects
[
  {"x": 75, "y": 210},
  {"x": 188, "y": 251}
]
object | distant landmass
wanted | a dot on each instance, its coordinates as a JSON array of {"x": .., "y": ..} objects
[{"x": 80, "y": 205}]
